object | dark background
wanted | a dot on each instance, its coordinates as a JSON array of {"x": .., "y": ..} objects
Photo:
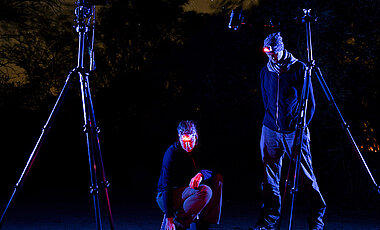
[{"x": 158, "y": 64}]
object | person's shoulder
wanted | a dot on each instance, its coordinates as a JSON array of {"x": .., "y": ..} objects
[
  {"x": 300, "y": 64},
  {"x": 172, "y": 148},
  {"x": 298, "y": 67},
  {"x": 170, "y": 153},
  {"x": 264, "y": 69}
]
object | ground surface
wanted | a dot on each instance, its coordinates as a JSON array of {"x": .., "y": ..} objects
[{"x": 72, "y": 209}]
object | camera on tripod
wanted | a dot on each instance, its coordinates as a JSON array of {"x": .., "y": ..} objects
[
  {"x": 96, "y": 2},
  {"x": 236, "y": 18}
]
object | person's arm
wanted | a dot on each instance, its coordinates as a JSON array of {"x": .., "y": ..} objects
[
  {"x": 311, "y": 107},
  {"x": 207, "y": 162},
  {"x": 202, "y": 174},
  {"x": 263, "y": 93},
  {"x": 206, "y": 173},
  {"x": 167, "y": 197},
  {"x": 311, "y": 100},
  {"x": 167, "y": 193}
]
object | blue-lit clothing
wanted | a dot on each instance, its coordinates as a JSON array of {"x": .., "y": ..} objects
[
  {"x": 281, "y": 93},
  {"x": 274, "y": 147},
  {"x": 178, "y": 168}
]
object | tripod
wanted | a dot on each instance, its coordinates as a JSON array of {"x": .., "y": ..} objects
[
  {"x": 84, "y": 12},
  {"x": 295, "y": 161}
]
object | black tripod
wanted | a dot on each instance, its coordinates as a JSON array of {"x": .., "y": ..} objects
[
  {"x": 295, "y": 161},
  {"x": 84, "y": 13}
]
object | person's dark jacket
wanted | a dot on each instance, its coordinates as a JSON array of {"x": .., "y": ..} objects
[
  {"x": 178, "y": 168},
  {"x": 281, "y": 94}
]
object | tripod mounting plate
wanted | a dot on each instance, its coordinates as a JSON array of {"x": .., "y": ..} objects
[
  {"x": 95, "y": 2},
  {"x": 307, "y": 16}
]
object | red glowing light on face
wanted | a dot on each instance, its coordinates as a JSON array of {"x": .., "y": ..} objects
[
  {"x": 186, "y": 138},
  {"x": 188, "y": 141},
  {"x": 267, "y": 49}
]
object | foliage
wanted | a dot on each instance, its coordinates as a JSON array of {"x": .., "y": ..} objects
[{"x": 34, "y": 56}]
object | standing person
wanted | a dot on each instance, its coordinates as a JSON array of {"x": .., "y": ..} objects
[
  {"x": 281, "y": 85},
  {"x": 185, "y": 191}
]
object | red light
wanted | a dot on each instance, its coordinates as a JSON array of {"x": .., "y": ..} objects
[
  {"x": 186, "y": 138},
  {"x": 266, "y": 49}
]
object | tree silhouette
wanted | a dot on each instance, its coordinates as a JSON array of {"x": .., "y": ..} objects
[{"x": 34, "y": 54}]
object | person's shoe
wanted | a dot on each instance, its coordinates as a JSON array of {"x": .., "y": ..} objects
[
  {"x": 316, "y": 228},
  {"x": 178, "y": 225},
  {"x": 261, "y": 227}
]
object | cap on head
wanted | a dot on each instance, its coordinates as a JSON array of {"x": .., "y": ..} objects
[
  {"x": 186, "y": 127},
  {"x": 273, "y": 43}
]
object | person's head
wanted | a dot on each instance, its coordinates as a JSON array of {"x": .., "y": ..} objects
[
  {"x": 188, "y": 136},
  {"x": 274, "y": 47}
]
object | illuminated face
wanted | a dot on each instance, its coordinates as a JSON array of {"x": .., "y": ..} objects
[
  {"x": 188, "y": 141},
  {"x": 273, "y": 56}
]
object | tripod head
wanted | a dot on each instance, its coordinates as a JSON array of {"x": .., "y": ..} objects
[
  {"x": 85, "y": 18},
  {"x": 236, "y": 18},
  {"x": 94, "y": 2},
  {"x": 307, "y": 17}
]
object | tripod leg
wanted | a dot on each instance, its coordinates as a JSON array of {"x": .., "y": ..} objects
[
  {"x": 293, "y": 170},
  {"x": 94, "y": 151},
  {"x": 105, "y": 185},
  {"x": 98, "y": 155},
  {"x": 288, "y": 183},
  {"x": 294, "y": 189},
  {"x": 345, "y": 126},
  {"x": 45, "y": 131},
  {"x": 298, "y": 139},
  {"x": 89, "y": 131}
]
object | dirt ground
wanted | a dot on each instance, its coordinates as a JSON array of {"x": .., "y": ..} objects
[{"x": 72, "y": 209}]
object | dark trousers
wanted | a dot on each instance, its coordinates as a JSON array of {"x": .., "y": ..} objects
[
  {"x": 274, "y": 146},
  {"x": 205, "y": 202}
]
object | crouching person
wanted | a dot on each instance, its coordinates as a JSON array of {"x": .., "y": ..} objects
[{"x": 188, "y": 195}]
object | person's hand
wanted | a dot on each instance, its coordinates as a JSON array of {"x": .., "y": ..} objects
[
  {"x": 195, "y": 181},
  {"x": 169, "y": 224}
]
